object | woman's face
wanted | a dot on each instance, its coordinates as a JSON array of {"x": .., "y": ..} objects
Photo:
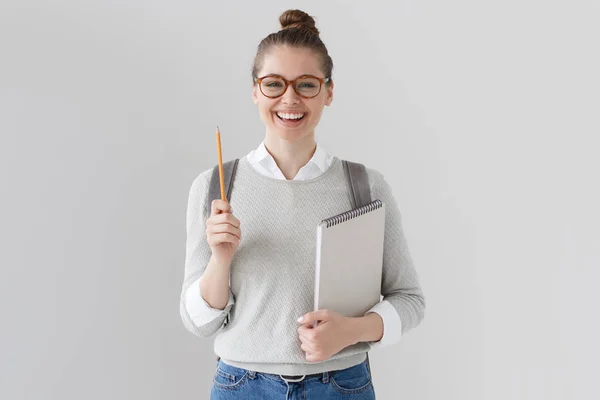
[{"x": 291, "y": 63}]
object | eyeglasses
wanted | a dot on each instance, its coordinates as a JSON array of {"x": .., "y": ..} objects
[{"x": 307, "y": 86}]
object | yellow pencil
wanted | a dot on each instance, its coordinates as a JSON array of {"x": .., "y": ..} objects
[{"x": 222, "y": 179}]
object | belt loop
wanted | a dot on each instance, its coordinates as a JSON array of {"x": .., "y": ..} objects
[
  {"x": 283, "y": 377},
  {"x": 325, "y": 377}
]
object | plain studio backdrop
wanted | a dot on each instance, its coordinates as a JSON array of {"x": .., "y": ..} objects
[{"x": 483, "y": 116}]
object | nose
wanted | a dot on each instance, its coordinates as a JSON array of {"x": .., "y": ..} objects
[{"x": 290, "y": 96}]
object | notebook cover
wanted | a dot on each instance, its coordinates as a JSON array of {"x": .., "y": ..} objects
[{"x": 349, "y": 263}]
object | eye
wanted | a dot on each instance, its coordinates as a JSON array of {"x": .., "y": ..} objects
[
  {"x": 306, "y": 85},
  {"x": 274, "y": 84}
]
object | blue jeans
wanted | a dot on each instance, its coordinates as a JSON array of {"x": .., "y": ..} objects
[{"x": 232, "y": 383}]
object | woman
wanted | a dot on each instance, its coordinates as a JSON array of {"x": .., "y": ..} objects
[{"x": 251, "y": 288}]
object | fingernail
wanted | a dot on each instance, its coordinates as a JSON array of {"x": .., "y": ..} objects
[{"x": 300, "y": 319}]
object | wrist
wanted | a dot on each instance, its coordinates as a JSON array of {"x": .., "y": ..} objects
[
  {"x": 353, "y": 328},
  {"x": 219, "y": 264},
  {"x": 368, "y": 328}
]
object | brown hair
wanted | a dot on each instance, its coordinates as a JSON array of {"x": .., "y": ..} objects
[{"x": 297, "y": 30}]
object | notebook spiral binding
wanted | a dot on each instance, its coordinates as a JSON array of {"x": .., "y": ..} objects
[{"x": 348, "y": 215}]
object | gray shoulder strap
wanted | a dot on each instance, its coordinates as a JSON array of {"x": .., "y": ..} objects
[
  {"x": 214, "y": 189},
  {"x": 358, "y": 180}
]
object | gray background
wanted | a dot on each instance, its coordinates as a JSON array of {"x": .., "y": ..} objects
[{"x": 482, "y": 115}]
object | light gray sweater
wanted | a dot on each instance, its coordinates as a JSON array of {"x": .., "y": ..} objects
[{"x": 272, "y": 273}]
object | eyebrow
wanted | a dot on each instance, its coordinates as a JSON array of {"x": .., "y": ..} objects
[{"x": 287, "y": 78}]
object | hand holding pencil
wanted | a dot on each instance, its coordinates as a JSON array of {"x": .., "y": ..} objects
[{"x": 223, "y": 232}]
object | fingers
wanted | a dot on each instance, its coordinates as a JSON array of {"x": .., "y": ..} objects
[
  {"x": 219, "y": 206},
  {"x": 222, "y": 226},
  {"x": 226, "y": 218},
  {"x": 320, "y": 315},
  {"x": 214, "y": 229},
  {"x": 308, "y": 348},
  {"x": 219, "y": 238},
  {"x": 312, "y": 353},
  {"x": 307, "y": 334},
  {"x": 222, "y": 232},
  {"x": 309, "y": 344},
  {"x": 306, "y": 329},
  {"x": 225, "y": 223}
]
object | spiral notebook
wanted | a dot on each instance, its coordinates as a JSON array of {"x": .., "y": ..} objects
[{"x": 350, "y": 260}]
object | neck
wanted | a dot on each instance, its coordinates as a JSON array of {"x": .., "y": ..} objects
[{"x": 290, "y": 156}]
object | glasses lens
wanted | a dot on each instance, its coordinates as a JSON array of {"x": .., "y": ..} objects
[
  {"x": 272, "y": 86},
  {"x": 308, "y": 86}
]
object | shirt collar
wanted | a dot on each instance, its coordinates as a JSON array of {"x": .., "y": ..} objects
[{"x": 319, "y": 158}]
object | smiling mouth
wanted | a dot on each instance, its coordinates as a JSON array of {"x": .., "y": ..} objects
[{"x": 290, "y": 116}]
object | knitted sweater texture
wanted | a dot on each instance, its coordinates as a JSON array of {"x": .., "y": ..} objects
[{"x": 273, "y": 271}]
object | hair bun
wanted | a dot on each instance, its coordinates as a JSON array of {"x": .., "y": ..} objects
[{"x": 298, "y": 19}]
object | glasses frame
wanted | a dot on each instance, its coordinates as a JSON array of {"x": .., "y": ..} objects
[{"x": 293, "y": 83}]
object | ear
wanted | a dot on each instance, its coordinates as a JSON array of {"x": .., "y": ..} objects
[
  {"x": 254, "y": 93},
  {"x": 329, "y": 98}
]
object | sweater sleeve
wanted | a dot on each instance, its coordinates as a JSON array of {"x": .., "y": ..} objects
[
  {"x": 197, "y": 256},
  {"x": 198, "y": 309},
  {"x": 400, "y": 282}
]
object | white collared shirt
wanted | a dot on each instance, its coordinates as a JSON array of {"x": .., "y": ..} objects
[
  {"x": 260, "y": 159},
  {"x": 264, "y": 163}
]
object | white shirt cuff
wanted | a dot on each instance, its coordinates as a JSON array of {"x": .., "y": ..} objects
[
  {"x": 199, "y": 310},
  {"x": 392, "y": 325}
]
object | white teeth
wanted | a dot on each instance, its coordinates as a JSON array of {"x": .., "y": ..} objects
[{"x": 290, "y": 116}]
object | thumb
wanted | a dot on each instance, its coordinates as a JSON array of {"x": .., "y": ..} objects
[
  {"x": 219, "y": 206},
  {"x": 320, "y": 315}
]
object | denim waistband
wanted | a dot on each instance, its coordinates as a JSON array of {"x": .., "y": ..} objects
[
  {"x": 296, "y": 378},
  {"x": 277, "y": 368}
]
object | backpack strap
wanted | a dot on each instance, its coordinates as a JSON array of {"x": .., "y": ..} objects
[
  {"x": 358, "y": 180},
  {"x": 214, "y": 189}
]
